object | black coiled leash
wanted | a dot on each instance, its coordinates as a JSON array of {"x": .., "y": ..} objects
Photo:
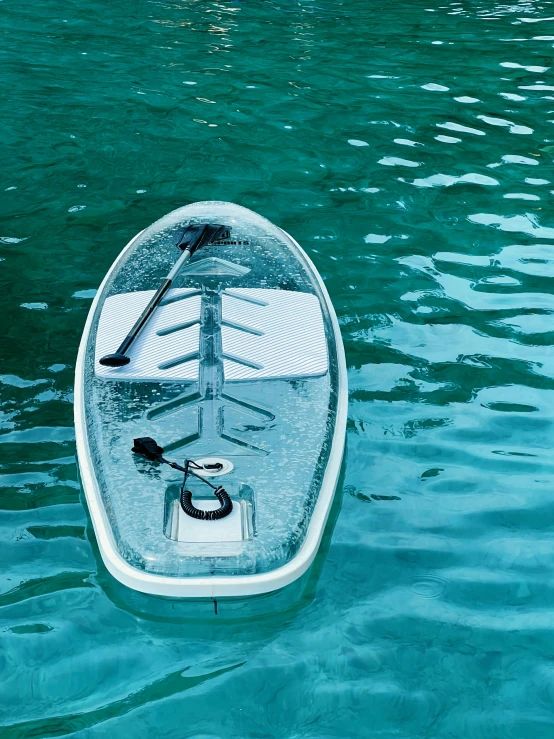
[
  {"x": 186, "y": 497},
  {"x": 149, "y": 449}
]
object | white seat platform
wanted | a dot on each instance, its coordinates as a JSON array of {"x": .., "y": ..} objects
[{"x": 266, "y": 334}]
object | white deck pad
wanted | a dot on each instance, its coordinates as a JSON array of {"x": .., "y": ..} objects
[
  {"x": 266, "y": 334},
  {"x": 289, "y": 340},
  {"x": 150, "y": 351}
]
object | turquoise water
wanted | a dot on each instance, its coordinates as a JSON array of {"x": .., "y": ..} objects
[{"x": 408, "y": 147}]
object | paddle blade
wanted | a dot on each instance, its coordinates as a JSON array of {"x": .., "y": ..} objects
[{"x": 196, "y": 235}]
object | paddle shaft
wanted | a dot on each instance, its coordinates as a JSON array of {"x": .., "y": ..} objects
[{"x": 111, "y": 360}]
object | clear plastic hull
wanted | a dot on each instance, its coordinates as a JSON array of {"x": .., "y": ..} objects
[{"x": 261, "y": 396}]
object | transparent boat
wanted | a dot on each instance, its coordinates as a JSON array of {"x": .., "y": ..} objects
[{"x": 241, "y": 369}]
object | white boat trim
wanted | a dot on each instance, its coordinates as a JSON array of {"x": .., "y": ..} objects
[{"x": 216, "y": 586}]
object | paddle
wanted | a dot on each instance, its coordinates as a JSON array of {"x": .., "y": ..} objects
[{"x": 194, "y": 236}]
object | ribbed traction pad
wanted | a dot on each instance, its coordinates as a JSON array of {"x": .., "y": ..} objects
[
  {"x": 153, "y": 350},
  {"x": 290, "y": 339},
  {"x": 266, "y": 334}
]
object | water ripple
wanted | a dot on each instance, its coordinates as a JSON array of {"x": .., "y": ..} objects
[{"x": 428, "y": 611}]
